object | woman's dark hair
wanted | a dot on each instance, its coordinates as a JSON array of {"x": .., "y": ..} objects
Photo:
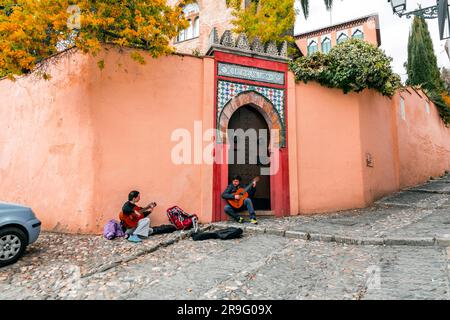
[
  {"x": 237, "y": 178},
  {"x": 133, "y": 195}
]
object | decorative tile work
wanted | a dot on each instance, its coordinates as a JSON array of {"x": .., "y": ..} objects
[
  {"x": 249, "y": 73},
  {"x": 228, "y": 90}
]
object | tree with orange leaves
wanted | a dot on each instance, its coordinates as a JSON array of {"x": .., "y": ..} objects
[{"x": 32, "y": 30}]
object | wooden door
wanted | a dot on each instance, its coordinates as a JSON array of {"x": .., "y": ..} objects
[{"x": 246, "y": 118}]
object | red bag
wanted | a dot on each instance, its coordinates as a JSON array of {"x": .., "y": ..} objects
[{"x": 181, "y": 219}]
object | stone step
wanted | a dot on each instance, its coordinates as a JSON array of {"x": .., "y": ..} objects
[{"x": 259, "y": 213}]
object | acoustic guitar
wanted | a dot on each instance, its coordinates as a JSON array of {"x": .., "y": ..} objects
[
  {"x": 131, "y": 221},
  {"x": 243, "y": 192}
]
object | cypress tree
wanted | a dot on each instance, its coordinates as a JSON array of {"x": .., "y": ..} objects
[{"x": 422, "y": 65}]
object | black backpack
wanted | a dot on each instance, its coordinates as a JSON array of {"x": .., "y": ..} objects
[{"x": 223, "y": 234}]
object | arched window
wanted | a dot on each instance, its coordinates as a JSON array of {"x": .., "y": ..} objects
[
  {"x": 191, "y": 12},
  {"x": 342, "y": 38},
  {"x": 190, "y": 9},
  {"x": 312, "y": 47},
  {"x": 181, "y": 36},
  {"x": 190, "y": 30},
  {"x": 326, "y": 45},
  {"x": 358, "y": 34},
  {"x": 196, "y": 27}
]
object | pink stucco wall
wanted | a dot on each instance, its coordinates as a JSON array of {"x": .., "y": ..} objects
[
  {"x": 378, "y": 144},
  {"x": 329, "y": 149},
  {"x": 73, "y": 147},
  {"x": 335, "y": 133},
  {"x": 46, "y": 145},
  {"x": 423, "y": 140},
  {"x": 135, "y": 110}
]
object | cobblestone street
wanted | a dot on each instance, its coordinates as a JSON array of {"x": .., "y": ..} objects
[{"x": 397, "y": 249}]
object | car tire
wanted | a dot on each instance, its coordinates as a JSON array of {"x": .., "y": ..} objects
[{"x": 13, "y": 243}]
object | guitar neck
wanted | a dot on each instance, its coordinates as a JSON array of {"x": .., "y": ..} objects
[{"x": 247, "y": 189}]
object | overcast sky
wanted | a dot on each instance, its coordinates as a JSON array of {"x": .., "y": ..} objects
[{"x": 394, "y": 30}]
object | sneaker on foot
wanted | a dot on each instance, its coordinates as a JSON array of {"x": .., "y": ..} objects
[
  {"x": 134, "y": 239},
  {"x": 241, "y": 220},
  {"x": 254, "y": 221}
]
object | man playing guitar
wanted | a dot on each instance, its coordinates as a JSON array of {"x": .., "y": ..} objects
[
  {"x": 135, "y": 219},
  {"x": 234, "y": 194}
]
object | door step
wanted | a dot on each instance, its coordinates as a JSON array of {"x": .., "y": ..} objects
[{"x": 259, "y": 214}]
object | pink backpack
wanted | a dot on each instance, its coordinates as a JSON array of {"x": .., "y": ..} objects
[{"x": 181, "y": 219}]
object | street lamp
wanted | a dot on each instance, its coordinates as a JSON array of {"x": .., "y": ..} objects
[
  {"x": 398, "y": 6},
  {"x": 439, "y": 11}
]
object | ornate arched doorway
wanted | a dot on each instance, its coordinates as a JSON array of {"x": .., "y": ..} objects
[
  {"x": 248, "y": 134},
  {"x": 251, "y": 110}
]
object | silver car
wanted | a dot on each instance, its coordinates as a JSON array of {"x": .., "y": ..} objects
[{"x": 19, "y": 227}]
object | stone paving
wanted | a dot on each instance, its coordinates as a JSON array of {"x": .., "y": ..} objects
[
  {"x": 256, "y": 267},
  {"x": 270, "y": 267},
  {"x": 51, "y": 265},
  {"x": 269, "y": 262},
  {"x": 419, "y": 213}
]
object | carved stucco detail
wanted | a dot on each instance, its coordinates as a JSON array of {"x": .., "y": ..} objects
[
  {"x": 242, "y": 42},
  {"x": 272, "y": 49},
  {"x": 257, "y": 46},
  {"x": 227, "y": 39}
]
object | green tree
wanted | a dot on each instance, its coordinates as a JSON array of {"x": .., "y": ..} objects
[
  {"x": 422, "y": 65},
  {"x": 270, "y": 20},
  {"x": 32, "y": 30},
  {"x": 423, "y": 70}
]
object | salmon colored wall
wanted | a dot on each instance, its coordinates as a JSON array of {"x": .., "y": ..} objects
[
  {"x": 46, "y": 141},
  {"x": 423, "y": 140},
  {"x": 329, "y": 149},
  {"x": 135, "y": 111},
  {"x": 335, "y": 132},
  {"x": 370, "y": 32},
  {"x": 74, "y": 147},
  {"x": 377, "y": 139}
]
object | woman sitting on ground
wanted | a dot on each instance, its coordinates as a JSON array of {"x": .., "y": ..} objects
[{"x": 135, "y": 220}]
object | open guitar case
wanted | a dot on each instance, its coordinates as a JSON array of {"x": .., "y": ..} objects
[{"x": 223, "y": 234}]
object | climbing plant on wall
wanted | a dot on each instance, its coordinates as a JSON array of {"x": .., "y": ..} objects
[
  {"x": 352, "y": 66},
  {"x": 31, "y": 31}
]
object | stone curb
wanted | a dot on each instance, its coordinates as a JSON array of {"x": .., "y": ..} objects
[
  {"x": 429, "y": 191},
  {"x": 181, "y": 236},
  {"x": 406, "y": 206},
  {"x": 373, "y": 241}
]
